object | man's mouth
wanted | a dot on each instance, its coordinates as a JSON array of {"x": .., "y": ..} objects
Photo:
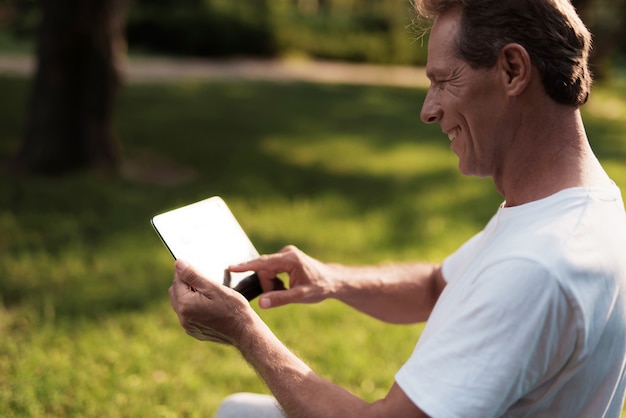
[{"x": 452, "y": 135}]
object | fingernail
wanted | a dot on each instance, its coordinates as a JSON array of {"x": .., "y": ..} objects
[
  {"x": 181, "y": 265},
  {"x": 265, "y": 302}
]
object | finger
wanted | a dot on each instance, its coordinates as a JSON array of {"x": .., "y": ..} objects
[
  {"x": 182, "y": 297},
  {"x": 178, "y": 292},
  {"x": 269, "y": 283},
  {"x": 178, "y": 289},
  {"x": 275, "y": 299},
  {"x": 279, "y": 262},
  {"x": 190, "y": 276}
]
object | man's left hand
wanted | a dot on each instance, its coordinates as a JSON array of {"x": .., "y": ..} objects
[{"x": 206, "y": 310}]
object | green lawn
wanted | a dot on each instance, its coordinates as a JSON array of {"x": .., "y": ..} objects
[{"x": 347, "y": 173}]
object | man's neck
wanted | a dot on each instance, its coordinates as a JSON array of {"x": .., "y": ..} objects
[{"x": 550, "y": 155}]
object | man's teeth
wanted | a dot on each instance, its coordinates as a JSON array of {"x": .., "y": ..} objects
[{"x": 451, "y": 136}]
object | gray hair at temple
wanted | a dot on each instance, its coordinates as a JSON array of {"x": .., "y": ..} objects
[{"x": 555, "y": 37}]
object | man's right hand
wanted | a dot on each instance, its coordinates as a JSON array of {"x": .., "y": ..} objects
[{"x": 309, "y": 279}]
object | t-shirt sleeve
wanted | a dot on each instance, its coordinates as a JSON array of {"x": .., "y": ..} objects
[
  {"x": 456, "y": 261},
  {"x": 507, "y": 333}
]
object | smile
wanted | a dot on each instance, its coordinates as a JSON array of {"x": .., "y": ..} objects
[{"x": 452, "y": 135}]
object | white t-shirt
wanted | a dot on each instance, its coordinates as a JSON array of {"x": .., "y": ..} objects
[{"x": 532, "y": 322}]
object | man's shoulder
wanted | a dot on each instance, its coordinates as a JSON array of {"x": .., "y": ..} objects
[
  {"x": 573, "y": 232},
  {"x": 566, "y": 222}
]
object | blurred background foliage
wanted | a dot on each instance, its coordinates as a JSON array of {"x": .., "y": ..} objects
[
  {"x": 355, "y": 30},
  {"x": 372, "y": 31}
]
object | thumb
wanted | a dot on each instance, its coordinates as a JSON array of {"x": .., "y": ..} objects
[
  {"x": 278, "y": 298},
  {"x": 187, "y": 274}
]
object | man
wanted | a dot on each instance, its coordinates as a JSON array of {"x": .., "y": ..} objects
[{"x": 526, "y": 319}]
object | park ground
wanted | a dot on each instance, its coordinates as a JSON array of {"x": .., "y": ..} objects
[{"x": 163, "y": 69}]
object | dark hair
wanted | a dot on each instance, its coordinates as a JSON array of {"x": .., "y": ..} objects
[{"x": 551, "y": 31}]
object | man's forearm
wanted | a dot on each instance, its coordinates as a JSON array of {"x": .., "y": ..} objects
[
  {"x": 300, "y": 391},
  {"x": 397, "y": 293},
  {"x": 304, "y": 394}
]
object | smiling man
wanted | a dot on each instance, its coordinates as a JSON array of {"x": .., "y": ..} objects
[{"x": 526, "y": 319}]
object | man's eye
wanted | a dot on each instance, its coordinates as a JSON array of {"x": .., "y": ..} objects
[{"x": 440, "y": 84}]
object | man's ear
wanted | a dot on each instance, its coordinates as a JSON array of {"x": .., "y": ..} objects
[{"x": 516, "y": 68}]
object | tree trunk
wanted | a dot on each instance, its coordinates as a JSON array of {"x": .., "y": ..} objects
[{"x": 69, "y": 124}]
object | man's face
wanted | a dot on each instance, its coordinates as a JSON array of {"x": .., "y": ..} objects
[{"x": 467, "y": 103}]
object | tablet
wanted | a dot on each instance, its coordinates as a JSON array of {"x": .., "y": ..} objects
[{"x": 206, "y": 235}]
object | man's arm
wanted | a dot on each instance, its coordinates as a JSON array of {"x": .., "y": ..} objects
[
  {"x": 210, "y": 311},
  {"x": 397, "y": 293},
  {"x": 302, "y": 393}
]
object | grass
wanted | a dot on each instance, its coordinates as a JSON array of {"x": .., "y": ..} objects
[{"x": 347, "y": 173}]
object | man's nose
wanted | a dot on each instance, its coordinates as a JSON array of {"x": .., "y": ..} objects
[{"x": 431, "y": 109}]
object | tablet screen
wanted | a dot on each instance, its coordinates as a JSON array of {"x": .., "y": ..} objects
[{"x": 206, "y": 235}]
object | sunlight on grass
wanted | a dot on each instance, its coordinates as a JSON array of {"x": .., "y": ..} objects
[
  {"x": 345, "y": 155},
  {"x": 606, "y": 104},
  {"x": 617, "y": 171}
]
